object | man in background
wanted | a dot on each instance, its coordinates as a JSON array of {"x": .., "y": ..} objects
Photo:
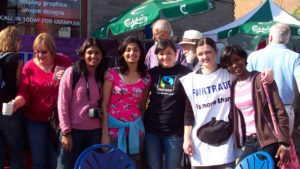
[
  {"x": 285, "y": 64},
  {"x": 162, "y": 29},
  {"x": 188, "y": 44}
]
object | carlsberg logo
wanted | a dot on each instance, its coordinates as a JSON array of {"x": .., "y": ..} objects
[
  {"x": 258, "y": 29},
  {"x": 132, "y": 22}
]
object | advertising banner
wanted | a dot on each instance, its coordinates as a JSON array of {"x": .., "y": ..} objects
[{"x": 69, "y": 47}]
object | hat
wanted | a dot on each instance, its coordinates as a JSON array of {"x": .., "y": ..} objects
[{"x": 190, "y": 37}]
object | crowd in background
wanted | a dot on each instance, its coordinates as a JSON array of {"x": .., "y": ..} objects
[{"x": 155, "y": 106}]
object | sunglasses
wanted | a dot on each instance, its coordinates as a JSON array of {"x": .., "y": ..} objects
[{"x": 41, "y": 52}]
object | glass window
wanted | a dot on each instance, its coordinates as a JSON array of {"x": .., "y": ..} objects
[{"x": 59, "y": 18}]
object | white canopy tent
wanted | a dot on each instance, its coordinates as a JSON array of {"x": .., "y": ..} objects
[{"x": 267, "y": 11}]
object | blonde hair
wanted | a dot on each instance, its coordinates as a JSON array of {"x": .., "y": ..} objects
[
  {"x": 47, "y": 40},
  {"x": 9, "y": 39}
]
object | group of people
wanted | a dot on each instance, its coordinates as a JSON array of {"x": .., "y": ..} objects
[{"x": 153, "y": 103}]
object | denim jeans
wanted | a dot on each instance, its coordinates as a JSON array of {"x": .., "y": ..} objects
[
  {"x": 11, "y": 135},
  {"x": 42, "y": 150},
  {"x": 136, "y": 158},
  {"x": 82, "y": 139},
  {"x": 156, "y": 145},
  {"x": 252, "y": 145}
]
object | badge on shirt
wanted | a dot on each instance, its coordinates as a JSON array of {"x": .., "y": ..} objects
[{"x": 166, "y": 85}]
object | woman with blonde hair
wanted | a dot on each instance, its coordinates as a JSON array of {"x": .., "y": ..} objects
[
  {"x": 38, "y": 94},
  {"x": 11, "y": 127}
]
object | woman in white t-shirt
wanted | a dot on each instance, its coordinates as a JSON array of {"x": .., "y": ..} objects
[{"x": 208, "y": 92}]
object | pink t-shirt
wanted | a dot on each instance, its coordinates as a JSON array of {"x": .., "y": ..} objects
[
  {"x": 39, "y": 89},
  {"x": 243, "y": 101},
  {"x": 125, "y": 98}
]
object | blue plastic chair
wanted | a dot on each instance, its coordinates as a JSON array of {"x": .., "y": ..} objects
[
  {"x": 94, "y": 158},
  {"x": 257, "y": 160}
]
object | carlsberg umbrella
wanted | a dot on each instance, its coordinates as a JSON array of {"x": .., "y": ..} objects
[
  {"x": 150, "y": 11},
  {"x": 250, "y": 34}
]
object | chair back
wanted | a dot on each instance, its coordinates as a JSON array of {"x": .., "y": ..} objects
[
  {"x": 257, "y": 160},
  {"x": 95, "y": 158}
]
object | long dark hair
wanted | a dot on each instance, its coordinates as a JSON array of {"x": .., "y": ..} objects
[
  {"x": 141, "y": 68},
  {"x": 103, "y": 65}
]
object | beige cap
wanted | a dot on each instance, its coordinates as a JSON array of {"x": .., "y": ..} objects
[{"x": 190, "y": 37}]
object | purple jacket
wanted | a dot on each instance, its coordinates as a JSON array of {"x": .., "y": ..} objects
[{"x": 152, "y": 61}]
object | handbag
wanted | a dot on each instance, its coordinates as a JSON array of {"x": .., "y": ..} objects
[
  {"x": 186, "y": 162},
  {"x": 293, "y": 164},
  {"x": 54, "y": 129},
  {"x": 216, "y": 132}
]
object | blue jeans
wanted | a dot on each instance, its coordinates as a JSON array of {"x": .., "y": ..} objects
[
  {"x": 136, "y": 158},
  {"x": 11, "y": 135},
  {"x": 155, "y": 146},
  {"x": 42, "y": 150},
  {"x": 252, "y": 145},
  {"x": 82, "y": 139}
]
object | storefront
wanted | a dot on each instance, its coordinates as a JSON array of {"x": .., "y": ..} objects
[{"x": 59, "y": 18}]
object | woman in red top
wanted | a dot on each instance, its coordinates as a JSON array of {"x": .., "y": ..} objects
[{"x": 38, "y": 94}]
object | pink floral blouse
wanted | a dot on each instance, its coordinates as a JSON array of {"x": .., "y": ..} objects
[{"x": 125, "y": 98}]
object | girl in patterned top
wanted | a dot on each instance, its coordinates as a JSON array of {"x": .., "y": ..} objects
[{"x": 125, "y": 93}]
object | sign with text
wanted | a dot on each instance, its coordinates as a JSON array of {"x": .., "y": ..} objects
[{"x": 43, "y": 15}]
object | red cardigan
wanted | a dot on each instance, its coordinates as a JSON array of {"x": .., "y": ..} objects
[{"x": 39, "y": 89}]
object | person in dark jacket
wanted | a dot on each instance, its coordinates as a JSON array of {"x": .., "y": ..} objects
[
  {"x": 11, "y": 127},
  {"x": 252, "y": 121}
]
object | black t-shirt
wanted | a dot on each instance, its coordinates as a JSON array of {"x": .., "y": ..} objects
[
  {"x": 9, "y": 65},
  {"x": 165, "y": 113}
]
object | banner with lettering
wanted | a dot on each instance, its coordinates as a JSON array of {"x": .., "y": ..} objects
[
  {"x": 68, "y": 46},
  {"x": 60, "y": 18}
]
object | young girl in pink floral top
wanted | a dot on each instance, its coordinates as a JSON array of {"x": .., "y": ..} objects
[
  {"x": 125, "y": 93},
  {"x": 125, "y": 99}
]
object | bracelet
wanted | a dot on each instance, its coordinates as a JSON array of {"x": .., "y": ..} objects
[{"x": 19, "y": 100}]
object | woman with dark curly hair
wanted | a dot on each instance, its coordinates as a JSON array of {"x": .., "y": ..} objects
[
  {"x": 125, "y": 93},
  {"x": 79, "y": 128}
]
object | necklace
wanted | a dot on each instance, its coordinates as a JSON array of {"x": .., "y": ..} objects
[{"x": 45, "y": 68}]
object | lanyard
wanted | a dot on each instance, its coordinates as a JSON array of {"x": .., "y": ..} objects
[{"x": 88, "y": 90}]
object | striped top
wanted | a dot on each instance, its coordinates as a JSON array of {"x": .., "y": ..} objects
[{"x": 243, "y": 101}]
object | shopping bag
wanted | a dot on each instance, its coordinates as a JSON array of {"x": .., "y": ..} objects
[{"x": 294, "y": 163}]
